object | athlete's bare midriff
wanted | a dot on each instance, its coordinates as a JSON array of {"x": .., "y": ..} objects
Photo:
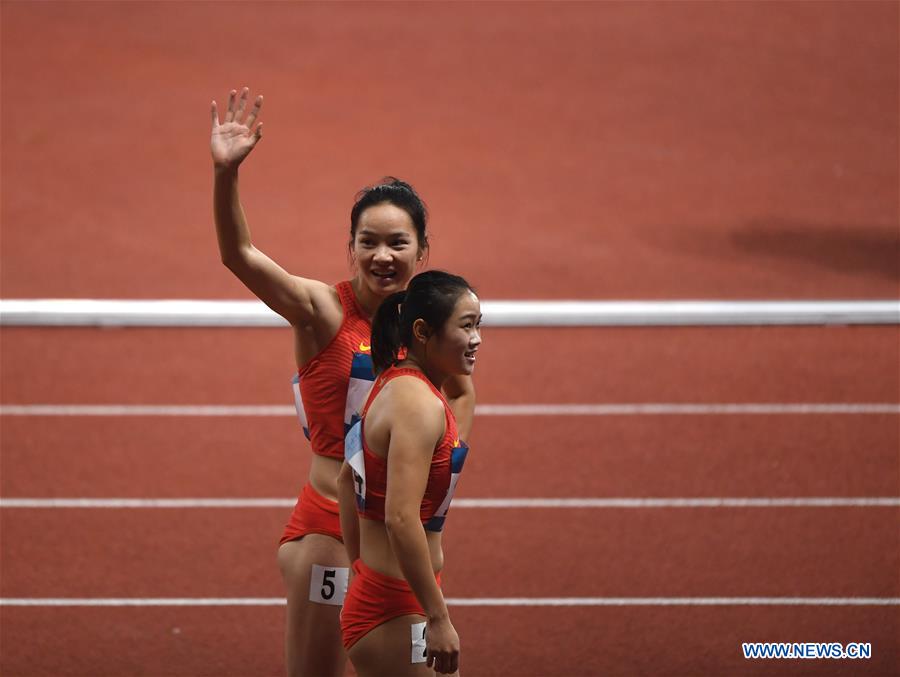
[
  {"x": 375, "y": 548},
  {"x": 323, "y": 474}
]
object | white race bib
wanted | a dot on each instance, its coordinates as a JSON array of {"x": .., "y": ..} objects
[
  {"x": 328, "y": 585},
  {"x": 419, "y": 647},
  {"x": 353, "y": 455}
]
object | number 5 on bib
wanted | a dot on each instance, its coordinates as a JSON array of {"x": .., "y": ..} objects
[{"x": 328, "y": 585}]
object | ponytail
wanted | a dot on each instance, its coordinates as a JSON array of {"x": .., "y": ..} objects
[
  {"x": 386, "y": 339},
  {"x": 431, "y": 296}
]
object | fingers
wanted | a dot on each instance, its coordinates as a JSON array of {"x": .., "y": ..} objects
[
  {"x": 444, "y": 662},
  {"x": 229, "y": 114},
  {"x": 257, "y": 135},
  {"x": 237, "y": 106},
  {"x": 215, "y": 115},
  {"x": 242, "y": 103},
  {"x": 254, "y": 112}
]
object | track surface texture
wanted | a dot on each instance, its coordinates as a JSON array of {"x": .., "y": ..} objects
[
  {"x": 583, "y": 150},
  {"x": 566, "y": 150}
]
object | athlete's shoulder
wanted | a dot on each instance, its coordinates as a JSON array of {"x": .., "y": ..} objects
[
  {"x": 411, "y": 398},
  {"x": 322, "y": 302},
  {"x": 325, "y": 296},
  {"x": 416, "y": 415}
]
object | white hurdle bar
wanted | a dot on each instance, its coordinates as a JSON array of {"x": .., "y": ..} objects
[{"x": 193, "y": 313}]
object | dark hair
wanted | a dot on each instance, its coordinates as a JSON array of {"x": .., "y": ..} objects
[
  {"x": 398, "y": 193},
  {"x": 431, "y": 296}
]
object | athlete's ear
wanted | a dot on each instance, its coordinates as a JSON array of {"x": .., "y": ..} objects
[{"x": 421, "y": 331}]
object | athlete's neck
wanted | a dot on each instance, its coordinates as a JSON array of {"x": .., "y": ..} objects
[
  {"x": 368, "y": 301},
  {"x": 416, "y": 362}
]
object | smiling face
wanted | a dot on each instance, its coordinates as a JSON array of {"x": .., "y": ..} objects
[
  {"x": 385, "y": 249},
  {"x": 451, "y": 350}
]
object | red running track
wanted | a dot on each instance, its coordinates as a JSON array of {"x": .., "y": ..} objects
[
  {"x": 579, "y": 150},
  {"x": 640, "y": 641},
  {"x": 664, "y": 552},
  {"x": 587, "y": 150},
  {"x": 254, "y": 366},
  {"x": 699, "y": 552},
  {"x": 666, "y": 456}
]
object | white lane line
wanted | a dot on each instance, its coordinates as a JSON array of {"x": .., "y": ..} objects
[
  {"x": 800, "y": 502},
  {"x": 681, "y": 409},
  {"x": 463, "y": 503},
  {"x": 648, "y": 409},
  {"x": 134, "y": 601},
  {"x": 466, "y": 601},
  {"x": 147, "y": 502},
  {"x": 145, "y": 410},
  {"x": 675, "y": 601}
]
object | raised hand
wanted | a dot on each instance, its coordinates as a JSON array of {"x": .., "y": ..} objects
[{"x": 233, "y": 139}]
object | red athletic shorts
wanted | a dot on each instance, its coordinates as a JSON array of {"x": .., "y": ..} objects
[
  {"x": 373, "y": 599},
  {"x": 313, "y": 514}
]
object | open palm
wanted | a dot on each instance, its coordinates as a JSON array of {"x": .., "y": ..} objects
[{"x": 234, "y": 138}]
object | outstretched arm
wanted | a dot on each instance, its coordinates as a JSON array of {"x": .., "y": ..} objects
[{"x": 294, "y": 298}]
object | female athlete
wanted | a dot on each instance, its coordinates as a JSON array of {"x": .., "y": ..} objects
[
  {"x": 331, "y": 328},
  {"x": 402, "y": 462}
]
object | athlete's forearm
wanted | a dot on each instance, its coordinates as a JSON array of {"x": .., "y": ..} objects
[
  {"x": 407, "y": 537},
  {"x": 349, "y": 518},
  {"x": 231, "y": 225}
]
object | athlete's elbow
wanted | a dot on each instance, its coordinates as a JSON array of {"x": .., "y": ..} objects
[
  {"x": 229, "y": 259},
  {"x": 236, "y": 259},
  {"x": 399, "y": 521}
]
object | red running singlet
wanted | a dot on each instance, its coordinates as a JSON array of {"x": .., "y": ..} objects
[
  {"x": 330, "y": 389},
  {"x": 370, "y": 471}
]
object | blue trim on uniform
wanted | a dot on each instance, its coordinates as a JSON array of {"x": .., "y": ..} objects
[
  {"x": 457, "y": 460},
  {"x": 362, "y": 368},
  {"x": 435, "y": 524},
  {"x": 354, "y": 419},
  {"x": 458, "y": 457}
]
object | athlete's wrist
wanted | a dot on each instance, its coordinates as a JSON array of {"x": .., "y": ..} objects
[
  {"x": 227, "y": 170},
  {"x": 442, "y": 616}
]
